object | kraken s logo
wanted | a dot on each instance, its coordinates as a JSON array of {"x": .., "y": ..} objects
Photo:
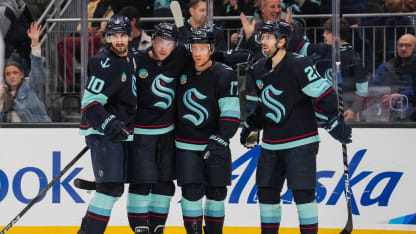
[
  {"x": 267, "y": 98},
  {"x": 159, "y": 89},
  {"x": 189, "y": 99}
]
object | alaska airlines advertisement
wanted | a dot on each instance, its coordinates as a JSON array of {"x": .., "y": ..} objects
[{"x": 381, "y": 166}]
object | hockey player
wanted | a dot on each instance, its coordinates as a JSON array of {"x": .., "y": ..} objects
[
  {"x": 353, "y": 75},
  {"x": 208, "y": 116},
  {"x": 288, "y": 85},
  {"x": 151, "y": 160},
  {"x": 108, "y": 112}
]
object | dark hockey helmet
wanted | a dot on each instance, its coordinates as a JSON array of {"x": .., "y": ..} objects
[
  {"x": 202, "y": 36},
  {"x": 118, "y": 24},
  {"x": 166, "y": 31},
  {"x": 279, "y": 28}
]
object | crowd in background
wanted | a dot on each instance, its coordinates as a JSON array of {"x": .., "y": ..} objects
[{"x": 384, "y": 46}]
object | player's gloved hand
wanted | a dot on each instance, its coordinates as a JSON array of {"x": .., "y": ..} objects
[
  {"x": 114, "y": 129},
  {"x": 232, "y": 58},
  {"x": 338, "y": 129},
  {"x": 249, "y": 136},
  {"x": 215, "y": 145}
]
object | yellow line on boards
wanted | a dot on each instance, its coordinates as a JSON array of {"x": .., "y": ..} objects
[{"x": 181, "y": 230}]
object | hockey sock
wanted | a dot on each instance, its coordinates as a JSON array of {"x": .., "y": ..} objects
[
  {"x": 99, "y": 213},
  {"x": 214, "y": 216},
  {"x": 138, "y": 210},
  {"x": 270, "y": 216},
  {"x": 308, "y": 217},
  {"x": 192, "y": 215},
  {"x": 159, "y": 210}
]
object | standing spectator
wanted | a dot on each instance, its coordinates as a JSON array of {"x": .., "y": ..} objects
[
  {"x": 198, "y": 11},
  {"x": 15, "y": 19},
  {"x": 399, "y": 73},
  {"x": 70, "y": 45},
  {"x": 19, "y": 96},
  {"x": 37, "y": 7},
  {"x": 141, "y": 40}
]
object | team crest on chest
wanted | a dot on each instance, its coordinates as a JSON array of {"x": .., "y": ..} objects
[
  {"x": 259, "y": 84},
  {"x": 143, "y": 73},
  {"x": 183, "y": 79}
]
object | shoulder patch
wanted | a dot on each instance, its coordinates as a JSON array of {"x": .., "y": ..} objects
[
  {"x": 183, "y": 79},
  {"x": 143, "y": 73}
]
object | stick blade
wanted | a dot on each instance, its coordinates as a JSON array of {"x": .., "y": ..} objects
[
  {"x": 176, "y": 10},
  {"x": 84, "y": 184}
]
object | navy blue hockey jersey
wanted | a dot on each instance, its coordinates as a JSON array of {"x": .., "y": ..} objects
[
  {"x": 208, "y": 104},
  {"x": 110, "y": 90},
  {"x": 286, "y": 110},
  {"x": 354, "y": 77},
  {"x": 156, "y": 85}
]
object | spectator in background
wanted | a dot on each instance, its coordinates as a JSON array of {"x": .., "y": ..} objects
[
  {"x": 304, "y": 7},
  {"x": 70, "y": 45},
  {"x": 15, "y": 19},
  {"x": 198, "y": 11},
  {"x": 409, "y": 5},
  {"x": 399, "y": 73},
  {"x": 19, "y": 96},
  {"x": 271, "y": 10},
  {"x": 141, "y": 40},
  {"x": 231, "y": 8},
  {"x": 353, "y": 75},
  {"x": 37, "y": 7},
  {"x": 145, "y": 8},
  {"x": 389, "y": 28}
]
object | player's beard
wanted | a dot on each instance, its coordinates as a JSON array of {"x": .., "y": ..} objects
[{"x": 119, "y": 50}]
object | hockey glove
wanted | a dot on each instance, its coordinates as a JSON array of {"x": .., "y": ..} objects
[
  {"x": 114, "y": 129},
  {"x": 249, "y": 136},
  {"x": 338, "y": 129},
  {"x": 232, "y": 58},
  {"x": 216, "y": 144}
]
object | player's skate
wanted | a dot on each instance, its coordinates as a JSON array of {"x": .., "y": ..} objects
[
  {"x": 194, "y": 227},
  {"x": 82, "y": 228},
  {"x": 159, "y": 229},
  {"x": 142, "y": 230}
]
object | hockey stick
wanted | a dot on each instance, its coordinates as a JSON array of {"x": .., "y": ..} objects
[
  {"x": 210, "y": 15},
  {"x": 336, "y": 66},
  {"x": 175, "y": 8},
  {"x": 85, "y": 184},
  {"x": 40, "y": 195},
  {"x": 348, "y": 226}
]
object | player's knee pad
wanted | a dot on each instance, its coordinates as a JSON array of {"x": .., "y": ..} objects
[
  {"x": 217, "y": 193},
  {"x": 141, "y": 189},
  {"x": 114, "y": 189},
  {"x": 268, "y": 195},
  {"x": 192, "y": 192},
  {"x": 302, "y": 196},
  {"x": 166, "y": 188}
]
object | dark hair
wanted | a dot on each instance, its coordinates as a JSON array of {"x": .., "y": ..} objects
[
  {"x": 131, "y": 12},
  {"x": 193, "y": 3},
  {"x": 8, "y": 98},
  {"x": 16, "y": 64},
  {"x": 344, "y": 31}
]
